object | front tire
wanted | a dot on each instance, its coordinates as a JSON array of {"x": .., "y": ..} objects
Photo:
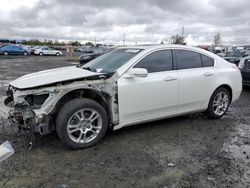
[
  {"x": 25, "y": 53},
  {"x": 219, "y": 103},
  {"x": 81, "y": 123},
  {"x": 41, "y": 54},
  {"x": 5, "y": 53},
  {"x": 57, "y": 54}
]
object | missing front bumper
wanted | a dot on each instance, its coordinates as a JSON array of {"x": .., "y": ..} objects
[{"x": 27, "y": 120}]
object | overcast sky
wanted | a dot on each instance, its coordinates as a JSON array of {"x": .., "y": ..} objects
[{"x": 142, "y": 20}]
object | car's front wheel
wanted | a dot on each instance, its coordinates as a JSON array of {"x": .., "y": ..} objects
[
  {"x": 81, "y": 123},
  {"x": 41, "y": 54},
  {"x": 219, "y": 103},
  {"x": 5, "y": 53},
  {"x": 57, "y": 54},
  {"x": 25, "y": 53}
]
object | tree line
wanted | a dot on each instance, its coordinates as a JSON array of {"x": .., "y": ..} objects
[{"x": 37, "y": 42}]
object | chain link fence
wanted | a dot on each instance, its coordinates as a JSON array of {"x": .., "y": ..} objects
[{"x": 4, "y": 121}]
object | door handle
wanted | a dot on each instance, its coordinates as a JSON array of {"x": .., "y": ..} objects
[
  {"x": 170, "y": 79},
  {"x": 208, "y": 74}
]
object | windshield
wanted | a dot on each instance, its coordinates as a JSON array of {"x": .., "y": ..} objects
[
  {"x": 235, "y": 54},
  {"x": 110, "y": 62}
]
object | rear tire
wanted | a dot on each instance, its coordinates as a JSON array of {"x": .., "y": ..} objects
[
  {"x": 219, "y": 103},
  {"x": 81, "y": 123},
  {"x": 41, "y": 54},
  {"x": 25, "y": 53},
  {"x": 5, "y": 53}
]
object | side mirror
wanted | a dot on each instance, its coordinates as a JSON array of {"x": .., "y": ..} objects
[{"x": 136, "y": 72}]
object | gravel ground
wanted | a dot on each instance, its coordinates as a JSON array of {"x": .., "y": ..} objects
[{"x": 188, "y": 151}]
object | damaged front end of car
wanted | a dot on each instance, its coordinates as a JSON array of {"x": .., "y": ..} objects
[
  {"x": 36, "y": 99},
  {"x": 34, "y": 110},
  {"x": 29, "y": 109}
]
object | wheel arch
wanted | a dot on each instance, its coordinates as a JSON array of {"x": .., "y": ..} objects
[
  {"x": 229, "y": 88},
  {"x": 100, "y": 97}
]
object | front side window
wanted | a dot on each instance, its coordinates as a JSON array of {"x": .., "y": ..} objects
[
  {"x": 157, "y": 61},
  {"x": 188, "y": 59}
]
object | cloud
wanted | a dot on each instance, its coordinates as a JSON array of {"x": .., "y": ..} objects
[{"x": 141, "y": 20}]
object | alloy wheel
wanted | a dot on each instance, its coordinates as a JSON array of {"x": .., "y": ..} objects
[
  {"x": 84, "y": 125},
  {"x": 220, "y": 103}
]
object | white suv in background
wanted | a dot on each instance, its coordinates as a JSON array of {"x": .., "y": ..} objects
[
  {"x": 126, "y": 86},
  {"x": 46, "y": 51}
]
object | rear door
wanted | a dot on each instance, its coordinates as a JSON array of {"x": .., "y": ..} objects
[
  {"x": 18, "y": 50},
  {"x": 51, "y": 51},
  {"x": 197, "y": 76}
]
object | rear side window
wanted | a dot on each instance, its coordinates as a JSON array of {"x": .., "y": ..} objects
[
  {"x": 188, "y": 59},
  {"x": 157, "y": 61},
  {"x": 207, "y": 61}
]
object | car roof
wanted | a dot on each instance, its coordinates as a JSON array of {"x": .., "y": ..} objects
[
  {"x": 158, "y": 46},
  {"x": 8, "y": 46},
  {"x": 171, "y": 46}
]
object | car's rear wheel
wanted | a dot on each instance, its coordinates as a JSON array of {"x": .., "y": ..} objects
[
  {"x": 81, "y": 123},
  {"x": 41, "y": 54},
  {"x": 219, "y": 103},
  {"x": 5, "y": 53},
  {"x": 25, "y": 53}
]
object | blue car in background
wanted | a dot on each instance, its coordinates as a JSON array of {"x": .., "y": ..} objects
[{"x": 13, "y": 50}]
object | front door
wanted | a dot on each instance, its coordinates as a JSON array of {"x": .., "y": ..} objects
[{"x": 151, "y": 97}]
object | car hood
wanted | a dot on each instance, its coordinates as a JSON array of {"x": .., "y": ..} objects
[
  {"x": 52, "y": 76},
  {"x": 231, "y": 57}
]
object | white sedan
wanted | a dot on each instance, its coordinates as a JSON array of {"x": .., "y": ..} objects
[
  {"x": 126, "y": 86},
  {"x": 46, "y": 51}
]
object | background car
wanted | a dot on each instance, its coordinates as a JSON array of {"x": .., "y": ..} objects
[
  {"x": 25, "y": 47},
  {"x": 244, "y": 67},
  {"x": 235, "y": 56},
  {"x": 47, "y": 51},
  {"x": 13, "y": 50},
  {"x": 90, "y": 56},
  {"x": 34, "y": 48},
  {"x": 221, "y": 54}
]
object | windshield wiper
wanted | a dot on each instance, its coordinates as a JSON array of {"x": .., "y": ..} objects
[{"x": 89, "y": 69}]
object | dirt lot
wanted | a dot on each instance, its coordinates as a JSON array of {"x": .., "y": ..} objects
[{"x": 205, "y": 153}]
